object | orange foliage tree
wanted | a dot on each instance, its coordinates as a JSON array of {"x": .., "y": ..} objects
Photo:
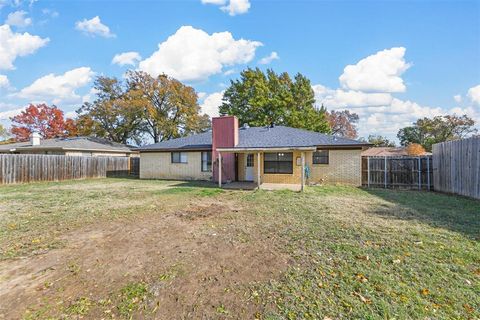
[
  {"x": 415, "y": 149},
  {"x": 41, "y": 118}
]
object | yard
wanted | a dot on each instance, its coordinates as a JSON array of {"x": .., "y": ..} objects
[{"x": 121, "y": 248}]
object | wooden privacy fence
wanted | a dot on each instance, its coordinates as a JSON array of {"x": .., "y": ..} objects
[
  {"x": 456, "y": 167},
  {"x": 398, "y": 172},
  {"x": 21, "y": 168}
]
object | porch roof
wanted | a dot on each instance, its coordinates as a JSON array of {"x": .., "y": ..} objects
[{"x": 244, "y": 150}]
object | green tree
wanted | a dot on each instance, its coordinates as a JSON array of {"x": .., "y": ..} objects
[
  {"x": 260, "y": 99},
  {"x": 3, "y": 132},
  {"x": 112, "y": 115},
  {"x": 428, "y": 131},
  {"x": 170, "y": 108},
  {"x": 380, "y": 141}
]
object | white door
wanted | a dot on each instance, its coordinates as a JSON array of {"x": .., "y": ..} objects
[{"x": 249, "y": 167}]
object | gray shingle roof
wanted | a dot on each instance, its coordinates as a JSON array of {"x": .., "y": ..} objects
[
  {"x": 258, "y": 137},
  {"x": 194, "y": 142},
  {"x": 72, "y": 143}
]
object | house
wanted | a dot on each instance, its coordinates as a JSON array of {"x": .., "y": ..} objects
[
  {"x": 264, "y": 155},
  {"x": 388, "y": 152},
  {"x": 71, "y": 146}
]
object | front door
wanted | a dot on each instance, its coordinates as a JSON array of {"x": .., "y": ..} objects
[{"x": 249, "y": 167}]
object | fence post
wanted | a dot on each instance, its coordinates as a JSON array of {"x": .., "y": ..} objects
[
  {"x": 428, "y": 173},
  {"x": 368, "y": 172},
  {"x": 419, "y": 174},
  {"x": 385, "y": 173}
]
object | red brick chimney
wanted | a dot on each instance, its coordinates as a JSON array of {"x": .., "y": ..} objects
[{"x": 224, "y": 135}]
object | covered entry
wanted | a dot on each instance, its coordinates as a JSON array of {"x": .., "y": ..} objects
[{"x": 268, "y": 167}]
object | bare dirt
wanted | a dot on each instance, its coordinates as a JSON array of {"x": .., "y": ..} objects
[{"x": 197, "y": 263}]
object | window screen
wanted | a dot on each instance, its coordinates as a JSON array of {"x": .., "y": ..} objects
[
  {"x": 278, "y": 162},
  {"x": 250, "y": 160},
  {"x": 206, "y": 161},
  {"x": 320, "y": 157},
  {"x": 179, "y": 157}
]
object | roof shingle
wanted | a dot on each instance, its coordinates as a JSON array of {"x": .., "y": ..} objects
[{"x": 258, "y": 137}]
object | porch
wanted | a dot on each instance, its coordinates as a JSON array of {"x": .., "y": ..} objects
[{"x": 265, "y": 168}]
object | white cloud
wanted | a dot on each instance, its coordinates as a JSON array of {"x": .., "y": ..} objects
[
  {"x": 340, "y": 99},
  {"x": 4, "y": 83},
  {"x": 235, "y": 7},
  {"x": 94, "y": 27},
  {"x": 50, "y": 12},
  {"x": 457, "y": 98},
  {"x": 192, "y": 54},
  {"x": 232, "y": 7},
  {"x": 379, "y": 72},
  {"x": 6, "y": 115},
  {"x": 268, "y": 59},
  {"x": 58, "y": 88},
  {"x": 13, "y": 45},
  {"x": 18, "y": 19},
  {"x": 126, "y": 58},
  {"x": 474, "y": 94},
  {"x": 229, "y": 72},
  {"x": 211, "y": 104}
]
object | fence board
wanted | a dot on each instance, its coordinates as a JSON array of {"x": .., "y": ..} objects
[
  {"x": 24, "y": 168},
  {"x": 456, "y": 167},
  {"x": 397, "y": 172}
]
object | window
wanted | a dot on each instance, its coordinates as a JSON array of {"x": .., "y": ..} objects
[
  {"x": 281, "y": 162},
  {"x": 320, "y": 157},
  {"x": 206, "y": 161},
  {"x": 250, "y": 160},
  {"x": 179, "y": 157}
]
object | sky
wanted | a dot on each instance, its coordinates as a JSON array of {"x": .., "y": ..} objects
[{"x": 391, "y": 62}]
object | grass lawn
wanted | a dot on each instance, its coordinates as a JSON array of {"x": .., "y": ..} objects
[{"x": 120, "y": 248}]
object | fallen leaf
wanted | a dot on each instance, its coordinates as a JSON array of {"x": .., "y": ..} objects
[
  {"x": 468, "y": 308},
  {"x": 425, "y": 291},
  {"x": 362, "y": 298},
  {"x": 361, "y": 277}
]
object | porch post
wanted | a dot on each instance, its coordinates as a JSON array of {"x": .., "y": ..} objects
[
  {"x": 303, "y": 170},
  {"x": 219, "y": 169},
  {"x": 258, "y": 170}
]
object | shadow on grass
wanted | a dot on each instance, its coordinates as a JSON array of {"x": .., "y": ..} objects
[
  {"x": 196, "y": 184},
  {"x": 450, "y": 212}
]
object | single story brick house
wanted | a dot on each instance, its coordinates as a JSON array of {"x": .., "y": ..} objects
[
  {"x": 71, "y": 146},
  {"x": 264, "y": 155}
]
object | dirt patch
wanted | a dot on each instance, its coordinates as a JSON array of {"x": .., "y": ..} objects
[
  {"x": 196, "y": 263},
  {"x": 193, "y": 212}
]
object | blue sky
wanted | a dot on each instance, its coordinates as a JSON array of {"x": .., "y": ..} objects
[{"x": 406, "y": 59}]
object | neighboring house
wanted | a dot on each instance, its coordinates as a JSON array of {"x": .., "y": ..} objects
[
  {"x": 270, "y": 155},
  {"x": 72, "y": 146},
  {"x": 388, "y": 152}
]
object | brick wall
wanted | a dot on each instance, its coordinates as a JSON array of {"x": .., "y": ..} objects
[{"x": 345, "y": 167}]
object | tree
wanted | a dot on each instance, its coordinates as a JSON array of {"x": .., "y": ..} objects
[
  {"x": 415, "y": 149},
  {"x": 47, "y": 121},
  {"x": 260, "y": 99},
  {"x": 112, "y": 115},
  {"x": 170, "y": 108},
  {"x": 380, "y": 141},
  {"x": 343, "y": 123},
  {"x": 3, "y": 133},
  {"x": 427, "y": 132}
]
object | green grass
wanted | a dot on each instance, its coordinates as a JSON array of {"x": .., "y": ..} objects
[
  {"x": 355, "y": 253},
  {"x": 373, "y": 254},
  {"x": 132, "y": 298},
  {"x": 27, "y": 210}
]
